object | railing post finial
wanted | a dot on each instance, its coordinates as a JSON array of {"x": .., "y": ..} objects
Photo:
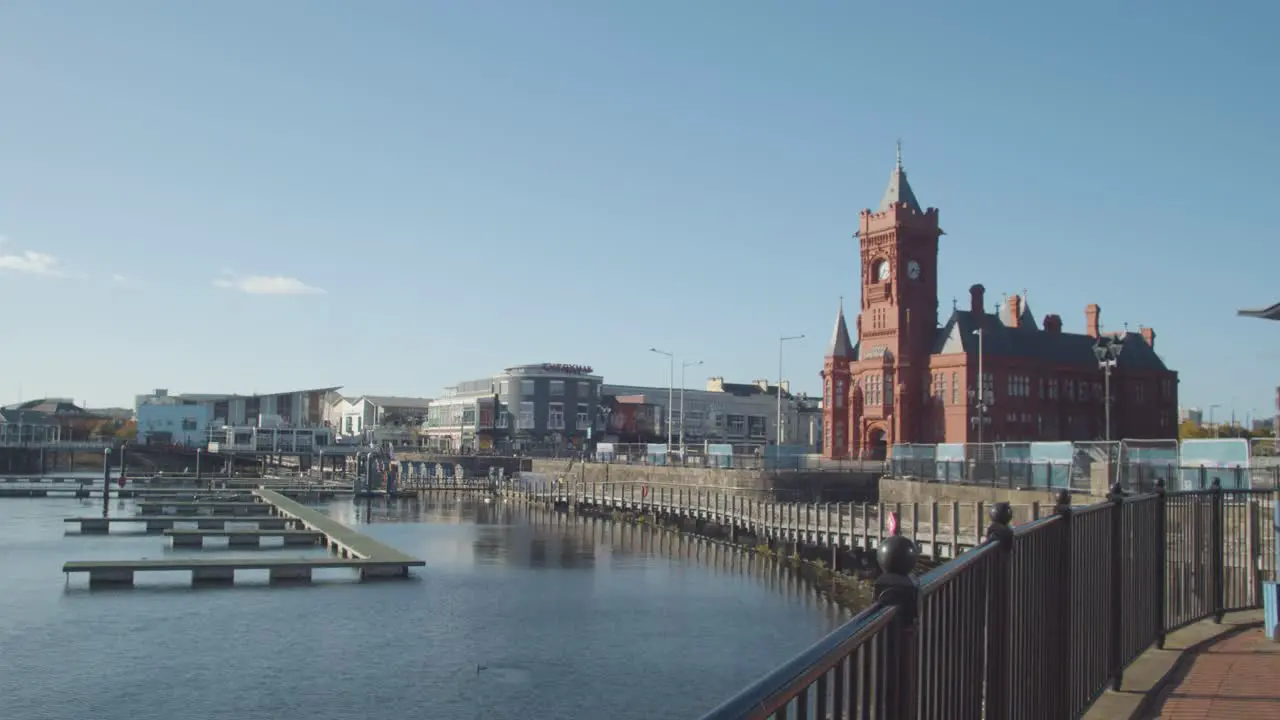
[
  {"x": 897, "y": 557},
  {"x": 1000, "y": 514},
  {"x": 1063, "y": 505},
  {"x": 1116, "y": 493}
]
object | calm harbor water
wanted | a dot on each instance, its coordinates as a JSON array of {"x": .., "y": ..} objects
[{"x": 520, "y": 613}]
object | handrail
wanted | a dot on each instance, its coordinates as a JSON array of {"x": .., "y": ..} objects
[
  {"x": 773, "y": 691},
  {"x": 938, "y": 576}
]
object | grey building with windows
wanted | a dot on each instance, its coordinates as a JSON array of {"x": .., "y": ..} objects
[{"x": 546, "y": 407}]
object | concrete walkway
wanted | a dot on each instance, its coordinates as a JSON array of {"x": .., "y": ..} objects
[{"x": 1207, "y": 670}]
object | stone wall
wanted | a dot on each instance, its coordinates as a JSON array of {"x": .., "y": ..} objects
[
  {"x": 910, "y": 491},
  {"x": 748, "y": 483}
]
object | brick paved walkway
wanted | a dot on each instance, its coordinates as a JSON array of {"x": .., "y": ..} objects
[{"x": 1234, "y": 678}]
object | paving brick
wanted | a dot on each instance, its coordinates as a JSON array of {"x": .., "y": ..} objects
[{"x": 1238, "y": 677}]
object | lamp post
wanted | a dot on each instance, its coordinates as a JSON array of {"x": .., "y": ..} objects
[
  {"x": 1107, "y": 350},
  {"x": 671, "y": 388},
  {"x": 684, "y": 366},
  {"x": 982, "y": 397},
  {"x": 1212, "y": 424},
  {"x": 778, "y": 436}
]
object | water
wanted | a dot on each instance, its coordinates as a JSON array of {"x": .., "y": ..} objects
[{"x": 519, "y": 613}]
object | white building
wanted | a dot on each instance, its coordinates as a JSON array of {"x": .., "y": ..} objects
[
  {"x": 378, "y": 418},
  {"x": 742, "y": 414},
  {"x": 272, "y": 439},
  {"x": 187, "y": 419}
]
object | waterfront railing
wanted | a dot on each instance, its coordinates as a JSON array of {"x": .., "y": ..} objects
[{"x": 1037, "y": 620}]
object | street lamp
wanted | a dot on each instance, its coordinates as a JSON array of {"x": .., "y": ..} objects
[
  {"x": 1107, "y": 350},
  {"x": 982, "y": 397},
  {"x": 671, "y": 388},
  {"x": 777, "y": 440},
  {"x": 684, "y": 366}
]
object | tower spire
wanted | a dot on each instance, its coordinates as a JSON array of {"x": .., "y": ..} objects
[
  {"x": 840, "y": 346},
  {"x": 899, "y": 190}
]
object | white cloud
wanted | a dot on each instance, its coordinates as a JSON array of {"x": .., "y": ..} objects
[
  {"x": 268, "y": 285},
  {"x": 119, "y": 279},
  {"x": 30, "y": 262}
]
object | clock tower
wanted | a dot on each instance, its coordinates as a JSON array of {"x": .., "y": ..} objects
[{"x": 898, "y": 317}]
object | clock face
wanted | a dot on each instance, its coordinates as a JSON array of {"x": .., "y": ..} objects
[
  {"x": 882, "y": 271},
  {"x": 913, "y": 270}
]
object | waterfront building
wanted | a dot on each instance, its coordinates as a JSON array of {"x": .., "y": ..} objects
[
  {"x": 378, "y": 418},
  {"x": 272, "y": 438},
  {"x": 539, "y": 408},
  {"x": 28, "y": 427},
  {"x": 905, "y": 377},
  {"x": 741, "y": 414},
  {"x": 186, "y": 419},
  {"x": 74, "y": 422}
]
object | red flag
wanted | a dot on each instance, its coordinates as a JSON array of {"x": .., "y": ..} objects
[{"x": 892, "y": 525}]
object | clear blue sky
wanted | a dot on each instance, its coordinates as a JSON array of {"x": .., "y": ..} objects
[{"x": 479, "y": 184}]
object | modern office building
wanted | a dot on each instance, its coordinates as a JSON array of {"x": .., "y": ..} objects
[
  {"x": 545, "y": 407},
  {"x": 186, "y": 419},
  {"x": 741, "y": 414}
]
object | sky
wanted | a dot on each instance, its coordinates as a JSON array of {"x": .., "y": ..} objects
[{"x": 393, "y": 196}]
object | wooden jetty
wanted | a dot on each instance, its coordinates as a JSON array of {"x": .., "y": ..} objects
[
  {"x": 223, "y": 571},
  {"x": 184, "y": 537},
  {"x": 157, "y": 523},
  {"x": 199, "y": 507},
  {"x": 369, "y": 557},
  {"x": 339, "y": 538}
]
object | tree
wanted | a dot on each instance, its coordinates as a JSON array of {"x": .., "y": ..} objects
[
  {"x": 1188, "y": 430},
  {"x": 127, "y": 430}
]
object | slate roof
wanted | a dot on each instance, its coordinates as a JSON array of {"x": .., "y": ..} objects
[
  {"x": 750, "y": 389},
  {"x": 1034, "y": 344},
  {"x": 1270, "y": 313},
  {"x": 26, "y": 417},
  {"x": 840, "y": 346},
  {"x": 899, "y": 190},
  {"x": 52, "y": 406},
  {"x": 393, "y": 401}
]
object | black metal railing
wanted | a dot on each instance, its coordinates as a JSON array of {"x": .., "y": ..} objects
[{"x": 1038, "y": 620}]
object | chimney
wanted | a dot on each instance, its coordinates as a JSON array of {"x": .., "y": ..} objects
[
  {"x": 1013, "y": 311},
  {"x": 976, "y": 299},
  {"x": 1093, "y": 320},
  {"x": 786, "y": 386},
  {"x": 762, "y": 384},
  {"x": 1149, "y": 335},
  {"x": 1053, "y": 324}
]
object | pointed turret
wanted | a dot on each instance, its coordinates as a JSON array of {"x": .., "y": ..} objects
[
  {"x": 899, "y": 190},
  {"x": 840, "y": 346}
]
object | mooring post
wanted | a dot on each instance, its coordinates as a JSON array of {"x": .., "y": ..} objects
[{"x": 106, "y": 480}]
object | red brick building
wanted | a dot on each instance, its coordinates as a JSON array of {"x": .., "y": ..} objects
[{"x": 908, "y": 377}]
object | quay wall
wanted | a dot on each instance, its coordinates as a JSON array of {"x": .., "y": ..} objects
[
  {"x": 759, "y": 484},
  {"x": 894, "y": 490}
]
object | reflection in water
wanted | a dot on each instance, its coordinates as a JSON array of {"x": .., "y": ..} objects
[
  {"x": 520, "y": 612},
  {"x": 520, "y": 534}
]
